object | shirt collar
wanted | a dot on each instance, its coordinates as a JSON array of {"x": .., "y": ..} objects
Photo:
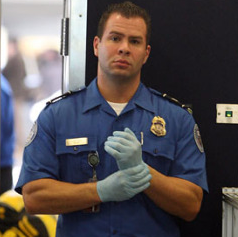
[
  {"x": 142, "y": 97},
  {"x": 93, "y": 96}
]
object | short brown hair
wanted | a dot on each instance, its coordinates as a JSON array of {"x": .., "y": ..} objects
[{"x": 126, "y": 9}]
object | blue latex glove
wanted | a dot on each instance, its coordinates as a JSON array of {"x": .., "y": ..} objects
[
  {"x": 125, "y": 148},
  {"x": 124, "y": 184}
]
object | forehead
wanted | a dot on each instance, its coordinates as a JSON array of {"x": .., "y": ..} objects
[{"x": 135, "y": 26}]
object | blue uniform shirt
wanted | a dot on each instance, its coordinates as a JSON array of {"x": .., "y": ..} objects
[
  {"x": 86, "y": 114},
  {"x": 7, "y": 124}
]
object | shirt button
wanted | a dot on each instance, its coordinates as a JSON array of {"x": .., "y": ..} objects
[{"x": 156, "y": 151}]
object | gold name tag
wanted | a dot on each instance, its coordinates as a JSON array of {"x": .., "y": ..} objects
[{"x": 77, "y": 141}]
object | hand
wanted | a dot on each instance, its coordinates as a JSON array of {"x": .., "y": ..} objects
[
  {"x": 125, "y": 148},
  {"x": 124, "y": 184}
]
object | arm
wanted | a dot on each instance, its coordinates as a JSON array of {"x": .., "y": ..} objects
[
  {"x": 176, "y": 196},
  {"x": 49, "y": 196}
]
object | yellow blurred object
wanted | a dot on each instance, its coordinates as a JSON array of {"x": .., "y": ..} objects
[
  {"x": 15, "y": 222},
  {"x": 13, "y": 199},
  {"x": 50, "y": 222}
]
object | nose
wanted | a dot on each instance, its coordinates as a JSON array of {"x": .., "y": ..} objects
[{"x": 124, "y": 48}]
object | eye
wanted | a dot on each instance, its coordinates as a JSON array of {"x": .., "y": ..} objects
[
  {"x": 115, "y": 38},
  {"x": 135, "y": 41}
]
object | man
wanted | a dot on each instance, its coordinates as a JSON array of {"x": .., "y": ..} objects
[
  {"x": 95, "y": 158},
  {"x": 7, "y": 136}
]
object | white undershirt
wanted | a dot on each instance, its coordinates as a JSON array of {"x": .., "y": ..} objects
[{"x": 118, "y": 107}]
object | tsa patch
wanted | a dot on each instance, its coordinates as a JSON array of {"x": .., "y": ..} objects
[
  {"x": 197, "y": 137},
  {"x": 32, "y": 134}
]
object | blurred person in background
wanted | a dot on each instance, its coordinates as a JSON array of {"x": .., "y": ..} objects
[
  {"x": 15, "y": 72},
  {"x": 7, "y": 135},
  {"x": 49, "y": 64}
]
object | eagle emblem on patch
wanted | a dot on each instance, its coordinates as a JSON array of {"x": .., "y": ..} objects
[
  {"x": 158, "y": 126},
  {"x": 31, "y": 135},
  {"x": 197, "y": 137}
]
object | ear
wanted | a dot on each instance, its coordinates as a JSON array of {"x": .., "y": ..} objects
[
  {"x": 147, "y": 53},
  {"x": 96, "y": 42}
]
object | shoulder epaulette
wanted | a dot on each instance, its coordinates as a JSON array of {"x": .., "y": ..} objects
[
  {"x": 173, "y": 100},
  {"x": 59, "y": 97},
  {"x": 68, "y": 93}
]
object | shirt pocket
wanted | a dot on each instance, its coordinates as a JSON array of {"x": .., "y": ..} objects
[
  {"x": 73, "y": 160},
  {"x": 158, "y": 152}
]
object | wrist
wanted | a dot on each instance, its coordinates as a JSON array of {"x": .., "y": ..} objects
[
  {"x": 100, "y": 191},
  {"x": 122, "y": 165}
]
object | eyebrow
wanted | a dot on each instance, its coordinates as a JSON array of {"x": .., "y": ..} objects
[
  {"x": 115, "y": 33},
  {"x": 132, "y": 37}
]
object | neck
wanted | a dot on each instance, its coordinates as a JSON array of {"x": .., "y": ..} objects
[{"x": 117, "y": 90}]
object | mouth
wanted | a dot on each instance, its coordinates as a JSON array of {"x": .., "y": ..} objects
[{"x": 122, "y": 62}]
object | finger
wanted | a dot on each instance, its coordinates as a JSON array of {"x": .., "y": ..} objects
[
  {"x": 125, "y": 135},
  {"x": 134, "y": 170},
  {"x": 140, "y": 175},
  {"x": 120, "y": 140},
  {"x": 127, "y": 130},
  {"x": 115, "y": 145},
  {"x": 141, "y": 182},
  {"x": 114, "y": 153},
  {"x": 142, "y": 188},
  {"x": 120, "y": 148}
]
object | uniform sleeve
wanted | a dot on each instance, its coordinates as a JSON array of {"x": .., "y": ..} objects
[
  {"x": 190, "y": 160},
  {"x": 7, "y": 128},
  {"x": 39, "y": 159}
]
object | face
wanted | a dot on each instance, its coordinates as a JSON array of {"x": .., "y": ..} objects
[{"x": 122, "y": 49}]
